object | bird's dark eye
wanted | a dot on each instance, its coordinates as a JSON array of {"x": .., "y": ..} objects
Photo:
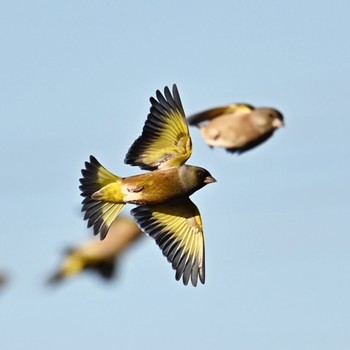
[{"x": 201, "y": 174}]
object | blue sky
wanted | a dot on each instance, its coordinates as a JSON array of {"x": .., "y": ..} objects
[{"x": 76, "y": 77}]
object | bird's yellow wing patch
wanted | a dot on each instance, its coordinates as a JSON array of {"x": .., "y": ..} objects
[
  {"x": 165, "y": 140},
  {"x": 213, "y": 113},
  {"x": 177, "y": 228},
  {"x": 239, "y": 107}
]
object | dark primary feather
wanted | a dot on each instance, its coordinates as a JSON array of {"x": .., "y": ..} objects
[
  {"x": 185, "y": 265},
  {"x": 251, "y": 144},
  {"x": 105, "y": 269},
  {"x": 161, "y": 109}
]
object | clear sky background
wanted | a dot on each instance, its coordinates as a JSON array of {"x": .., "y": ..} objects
[{"x": 75, "y": 80}]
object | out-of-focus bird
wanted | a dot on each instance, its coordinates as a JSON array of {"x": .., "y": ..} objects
[
  {"x": 164, "y": 209},
  {"x": 237, "y": 127},
  {"x": 97, "y": 255},
  {"x": 3, "y": 279}
]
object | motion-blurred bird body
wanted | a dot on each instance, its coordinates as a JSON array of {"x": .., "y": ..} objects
[
  {"x": 164, "y": 209},
  {"x": 237, "y": 127},
  {"x": 98, "y": 255}
]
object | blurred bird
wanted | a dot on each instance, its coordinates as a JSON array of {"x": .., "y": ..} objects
[
  {"x": 237, "y": 127},
  {"x": 164, "y": 210},
  {"x": 99, "y": 256},
  {"x": 3, "y": 279}
]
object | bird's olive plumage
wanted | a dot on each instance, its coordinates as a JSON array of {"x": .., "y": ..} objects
[{"x": 164, "y": 210}]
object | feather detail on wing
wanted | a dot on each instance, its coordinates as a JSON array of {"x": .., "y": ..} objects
[
  {"x": 177, "y": 228},
  {"x": 165, "y": 140}
]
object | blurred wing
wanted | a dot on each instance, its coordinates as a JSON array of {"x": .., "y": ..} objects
[
  {"x": 213, "y": 113},
  {"x": 106, "y": 269},
  {"x": 3, "y": 279},
  {"x": 251, "y": 144},
  {"x": 165, "y": 139},
  {"x": 177, "y": 228}
]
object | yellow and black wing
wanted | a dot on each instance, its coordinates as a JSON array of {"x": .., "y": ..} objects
[
  {"x": 82, "y": 258},
  {"x": 177, "y": 228},
  {"x": 213, "y": 113},
  {"x": 165, "y": 140}
]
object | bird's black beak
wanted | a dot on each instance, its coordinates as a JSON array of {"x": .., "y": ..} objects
[{"x": 209, "y": 180}]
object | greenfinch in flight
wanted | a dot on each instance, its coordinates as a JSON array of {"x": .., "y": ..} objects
[
  {"x": 164, "y": 210},
  {"x": 97, "y": 255},
  {"x": 237, "y": 127}
]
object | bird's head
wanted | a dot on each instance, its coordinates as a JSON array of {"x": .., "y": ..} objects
[
  {"x": 204, "y": 176},
  {"x": 267, "y": 118},
  {"x": 193, "y": 178}
]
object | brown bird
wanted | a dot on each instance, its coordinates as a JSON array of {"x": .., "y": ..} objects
[
  {"x": 237, "y": 127},
  {"x": 97, "y": 255},
  {"x": 164, "y": 209}
]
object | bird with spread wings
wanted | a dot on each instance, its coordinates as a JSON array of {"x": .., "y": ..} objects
[{"x": 164, "y": 210}]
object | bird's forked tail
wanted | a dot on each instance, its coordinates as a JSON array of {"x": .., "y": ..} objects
[{"x": 100, "y": 208}]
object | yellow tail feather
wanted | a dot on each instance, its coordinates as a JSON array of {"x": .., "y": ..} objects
[{"x": 97, "y": 186}]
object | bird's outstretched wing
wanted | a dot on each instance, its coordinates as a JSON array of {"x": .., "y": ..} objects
[
  {"x": 177, "y": 228},
  {"x": 209, "y": 114},
  {"x": 165, "y": 140}
]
